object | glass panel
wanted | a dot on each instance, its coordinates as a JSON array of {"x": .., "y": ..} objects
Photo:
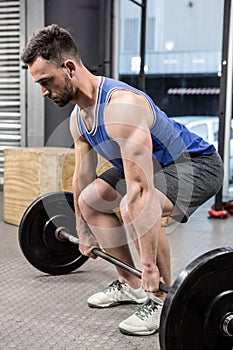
[
  {"x": 182, "y": 36},
  {"x": 200, "y": 130},
  {"x": 130, "y": 24}
]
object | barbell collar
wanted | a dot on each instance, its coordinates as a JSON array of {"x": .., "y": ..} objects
[
  {"x": 62, "y": 234},
  {"x": 227, "y": 325}
]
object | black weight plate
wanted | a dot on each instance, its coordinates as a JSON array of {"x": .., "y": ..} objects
[
  {"x": 215, "y": 313},
  {"x": 37, "y": 234},
  {"x": 183, "y": 319}
]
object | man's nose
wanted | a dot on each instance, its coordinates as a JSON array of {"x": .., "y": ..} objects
[{"x": 44, "y": 91}]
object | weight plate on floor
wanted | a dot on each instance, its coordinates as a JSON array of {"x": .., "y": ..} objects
[
  {"x": 184, "y": 320},
  {"x": 37, "y": 234},
  {"x": 216, "y": 312}
]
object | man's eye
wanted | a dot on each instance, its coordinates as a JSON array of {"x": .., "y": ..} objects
[{"x": 45, "y": 82}]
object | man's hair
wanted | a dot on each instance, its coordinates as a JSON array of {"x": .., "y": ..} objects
[{"x": 53, "y": 44}]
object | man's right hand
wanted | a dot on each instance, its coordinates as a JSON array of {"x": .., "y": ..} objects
[{"x": 86, "y": 243}]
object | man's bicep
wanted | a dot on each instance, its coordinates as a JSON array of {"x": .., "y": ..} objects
[
  {"x": 137, "y": 158},
  {"x": 85, "y": 163}
]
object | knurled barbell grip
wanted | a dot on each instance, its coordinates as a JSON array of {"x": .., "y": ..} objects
[
  {"x": 61, "y": 233},
  {"x": 98, "y": 252}
]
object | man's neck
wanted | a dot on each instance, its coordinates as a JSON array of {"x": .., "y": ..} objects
[{"x": 87, "y": 84}]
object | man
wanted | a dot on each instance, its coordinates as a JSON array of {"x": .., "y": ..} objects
[{"x": 159, "y": 169}]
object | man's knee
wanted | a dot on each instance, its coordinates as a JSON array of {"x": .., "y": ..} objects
[
  {"x": 85, "y": 204},
  {"x": 99, "y": 196}
]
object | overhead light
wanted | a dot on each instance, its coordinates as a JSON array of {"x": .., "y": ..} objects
[{"x": 169, "y": 45}]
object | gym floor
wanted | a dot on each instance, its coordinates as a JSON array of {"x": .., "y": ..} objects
[{"x": 50, "y": 312}]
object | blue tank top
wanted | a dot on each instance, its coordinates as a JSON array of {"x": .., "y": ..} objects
[{"x": 170, "y": 139}]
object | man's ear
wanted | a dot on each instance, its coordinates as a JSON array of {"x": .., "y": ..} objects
[{"x": 71, "y": 67}]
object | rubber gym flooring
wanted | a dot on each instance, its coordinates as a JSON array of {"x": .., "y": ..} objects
[{"x": 39, "y": 311}]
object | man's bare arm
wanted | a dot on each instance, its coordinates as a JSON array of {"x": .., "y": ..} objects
[
  {"x": 84, "y": 174},
  {"x": 127, "y": 123}
]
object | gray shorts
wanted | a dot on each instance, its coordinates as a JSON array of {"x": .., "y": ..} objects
[{"x": 188, "y": 183}]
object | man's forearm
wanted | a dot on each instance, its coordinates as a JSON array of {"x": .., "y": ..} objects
[{"x": 147, "y": 225}]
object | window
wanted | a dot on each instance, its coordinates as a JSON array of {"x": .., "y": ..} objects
[
  {"x": 201, "y": 130},
  {"x": 182, "y": 36},
  {"x": 131, "y": 30},
  {"x": 150, "y": 37}
]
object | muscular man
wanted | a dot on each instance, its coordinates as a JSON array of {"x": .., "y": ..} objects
[{"x": 159, "y": 169}]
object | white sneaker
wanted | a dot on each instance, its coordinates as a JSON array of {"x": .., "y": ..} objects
[
  {"x": 117, "y": 293},
  {"x": 145, "y": 320}
]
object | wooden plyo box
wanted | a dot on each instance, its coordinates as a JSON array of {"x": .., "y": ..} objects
[{"x": 31, "y": 172}]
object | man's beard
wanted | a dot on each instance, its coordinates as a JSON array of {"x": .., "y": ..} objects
[{"x": 67, "y": 95}]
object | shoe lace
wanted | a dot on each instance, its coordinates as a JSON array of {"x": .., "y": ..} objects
[
  {"x": 146, "y": 309},
  {"x": 116, "y": 285}
]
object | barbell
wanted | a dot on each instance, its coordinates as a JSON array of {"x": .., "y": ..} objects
[{"x": 198, "y": 310}]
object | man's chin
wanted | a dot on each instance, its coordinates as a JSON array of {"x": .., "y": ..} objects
[{"x": 60, "y": 103}]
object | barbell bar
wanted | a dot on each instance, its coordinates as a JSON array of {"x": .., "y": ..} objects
[
  {"x": 198, "y": 311},
  {"x": 62, "y": 234},
  {"x": 226, "y": 323}
]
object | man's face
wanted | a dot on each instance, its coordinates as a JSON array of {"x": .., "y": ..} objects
[{"x": 54, "y": 81}]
